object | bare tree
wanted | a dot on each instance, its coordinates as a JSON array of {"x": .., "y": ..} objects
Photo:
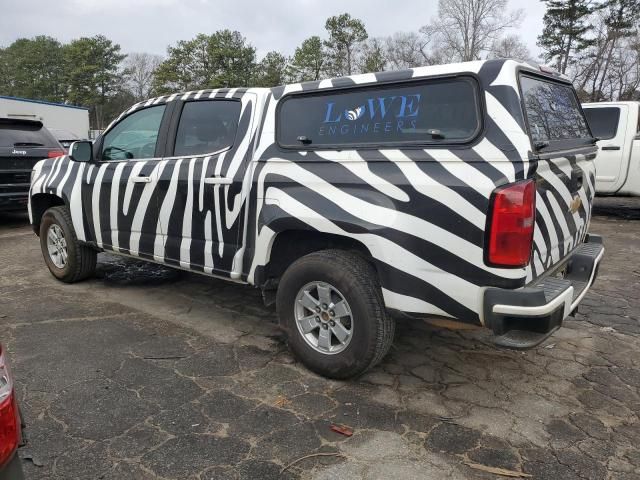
[
  {"x": 373, "y": 57},
  {"x": 623, "y": 76},
  {"x": 139, "y": 69},
  {"x": 465, "y": 29},
  {"x": 625, "y": 72},
  {"x": 510, "y": 46},
  {"x": 620, "y": 18},
  {"x": 630, "y": 89},
  {"x": 608, "y": 69},
  {"x": 407, "y": 50}
]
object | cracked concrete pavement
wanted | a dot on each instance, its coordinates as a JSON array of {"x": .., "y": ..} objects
[{"x": 150, "y": 373}]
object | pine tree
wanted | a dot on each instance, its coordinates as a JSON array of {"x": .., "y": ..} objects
[
  {"x": 308, "y": 61},
  {"x": 92, "y": 74},
  {"x": 271, "y": 71},
  {"x": 345, "y": 36},
  {"x": 565, "y": 30}
]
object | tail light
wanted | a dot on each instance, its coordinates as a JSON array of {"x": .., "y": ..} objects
[
  {"x": 511, "y": 224},
  {"x": 9, "y": 418},
  {"x": 55, "y": 153}
]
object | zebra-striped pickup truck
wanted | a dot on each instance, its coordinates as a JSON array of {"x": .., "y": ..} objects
[{"x": 461, "y": 191}]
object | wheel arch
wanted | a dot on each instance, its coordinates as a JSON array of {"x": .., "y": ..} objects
[
  {"x": 40, "y": 203},
  {"x": 289, "y": 245}
]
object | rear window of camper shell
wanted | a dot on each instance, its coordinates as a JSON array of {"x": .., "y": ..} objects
[
  {"x": 439, "y": 111},
  {"x": 553, "y": 114}
]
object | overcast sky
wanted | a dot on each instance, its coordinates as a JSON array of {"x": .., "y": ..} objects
[{"x": 151, "y": 25}]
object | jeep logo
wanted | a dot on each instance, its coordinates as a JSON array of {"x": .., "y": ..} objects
[{"x": 18, "y": 152}]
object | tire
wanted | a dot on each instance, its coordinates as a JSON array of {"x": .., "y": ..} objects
[
  {"x": 348, "y": 276},
  {"x": 81, "y": 259}
]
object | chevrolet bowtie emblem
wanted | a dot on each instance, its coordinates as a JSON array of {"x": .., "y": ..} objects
[{"x": 575, "y": 204}]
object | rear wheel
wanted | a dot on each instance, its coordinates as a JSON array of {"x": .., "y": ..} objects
[
  {"x": 332, "y": 308},
  {"x": 68, "y": 260}
]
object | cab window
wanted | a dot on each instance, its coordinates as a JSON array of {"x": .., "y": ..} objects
[
  {"x": 206, "y": 126},
  {"x": 135, "y": 136},
  {"x": 603, "y": 121}
]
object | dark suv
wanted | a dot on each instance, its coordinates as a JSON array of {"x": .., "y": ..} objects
[{"x": 22, "y": 144}]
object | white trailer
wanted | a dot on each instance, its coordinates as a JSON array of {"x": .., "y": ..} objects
[
  {"x": 66, "y": 122},
  {"x": 617, "y": 125}
]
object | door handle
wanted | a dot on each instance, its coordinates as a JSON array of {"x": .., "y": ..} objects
[
  {"x": 140, "y": 179},
  {"x": 218, "y": 180},
  {"x": 611, "y": 147}
]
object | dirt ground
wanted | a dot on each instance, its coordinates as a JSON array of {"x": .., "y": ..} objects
[{"x": 150, "y": 373}]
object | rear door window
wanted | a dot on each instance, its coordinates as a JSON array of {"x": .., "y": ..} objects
[
  {"x": 442, "y": 111},
  {"x": 554, "y": 117},
  {"x": 207, "y": 126},
  {"x": 25, "y": 133},
  {"x": 603, "y": 121}
]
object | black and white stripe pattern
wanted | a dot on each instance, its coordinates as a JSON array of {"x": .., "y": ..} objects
[{"x": 421, "y": 213}]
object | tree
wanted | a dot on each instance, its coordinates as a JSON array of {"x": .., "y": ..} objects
[
  {"x": 345, "y": 35},
  {"x": 373, "y": 57},
  {"x": 177, "y": 71},
  {"x": 5, "y": 80},
  {"x": 625, "y": 70},
  {"x": 223, "y": 59},
  {"x": 33, "y": 68},
  {"x": 407, "y": 50},
  {"x": 629, "y": 88},
  {"x": 139, "y": 69},
  {"x": 565, "y": 29},
  {"x": 92, "y": 73},
  {"x": 620, "y": 19},
  {"x": 271, "y": 70},
  {"x": 234, "y": 59},
  {"x": 466, "y": 28},
  {"x": 118, "y": 102},
  {"x": 605, "y": 69},
  {"x": 308, "y": 61},
  {"x": 510, "y": 46}
]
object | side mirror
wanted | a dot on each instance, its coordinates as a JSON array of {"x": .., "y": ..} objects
[{"x": 81, "y": 151}]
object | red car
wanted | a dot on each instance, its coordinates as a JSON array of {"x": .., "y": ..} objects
[{"x": 10, "y": 425}]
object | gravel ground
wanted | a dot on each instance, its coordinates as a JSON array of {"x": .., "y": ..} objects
[{"x": 150, "y": 373}]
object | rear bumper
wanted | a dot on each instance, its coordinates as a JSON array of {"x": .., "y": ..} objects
[{"x": 524, "y": 318}]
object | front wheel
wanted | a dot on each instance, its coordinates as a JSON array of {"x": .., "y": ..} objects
[
  {"x": 332, "y": 308},
  {"x": 68, "y": 260}
]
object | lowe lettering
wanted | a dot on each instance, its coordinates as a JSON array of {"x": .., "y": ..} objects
[{"x": 396, "y": 113}]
